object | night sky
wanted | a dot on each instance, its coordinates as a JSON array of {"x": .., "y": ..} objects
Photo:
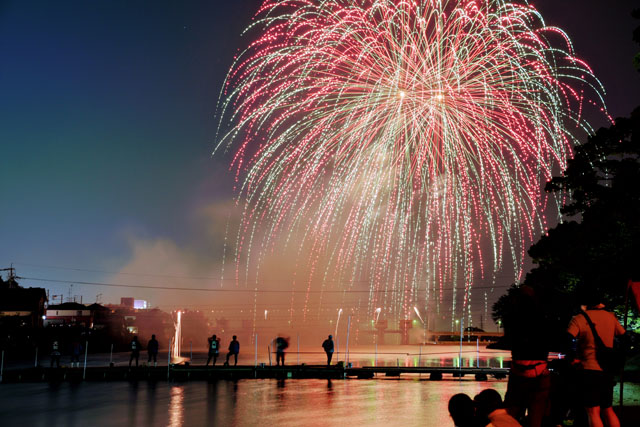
[{"x": 107, "y": 125}]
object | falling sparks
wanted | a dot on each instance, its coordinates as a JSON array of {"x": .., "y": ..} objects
[
  {"x": 418, "y": 313},
  {"x": 177, "y": 338},
  {"x": 404, "y": 142}
]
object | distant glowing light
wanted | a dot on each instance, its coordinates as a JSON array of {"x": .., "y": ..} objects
[{"x": 140, "y": 304}]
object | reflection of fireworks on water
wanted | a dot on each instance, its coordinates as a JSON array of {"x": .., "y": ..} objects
[{"x": 400, "y": 138}]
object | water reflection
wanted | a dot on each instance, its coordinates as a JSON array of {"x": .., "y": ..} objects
[
  {"x": 234, "y": 394},
  {"x": 329, "y": 394},
  {"x": 52, "y": 398},
  {"x": 151, "y": 406},
  {"x": 176, "y": 406},
  {"x": 281, "y": 393},
  {"x": 377, "y": 402},
  {"x": 212, "y": 400},
  {"x": 132, "y": 402}
]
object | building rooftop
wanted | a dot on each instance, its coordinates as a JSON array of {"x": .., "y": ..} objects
[
  {"x": 21, "y": 299},
  {"x": 68, "y": 306}
]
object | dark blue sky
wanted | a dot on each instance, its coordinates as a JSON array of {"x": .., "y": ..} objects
[{"x": 107, "y": 124}]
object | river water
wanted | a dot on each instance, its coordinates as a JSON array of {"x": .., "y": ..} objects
[
  {"x": 382, "y": 401},
  {"x": 376, "y": 402}
]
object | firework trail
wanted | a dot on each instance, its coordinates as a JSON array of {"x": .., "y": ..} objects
[{"x": 398, "y": 140}]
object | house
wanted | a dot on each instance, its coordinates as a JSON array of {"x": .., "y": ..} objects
[
  {"x": 21, "y": 307},
  {"x": 69, "y": 313}
]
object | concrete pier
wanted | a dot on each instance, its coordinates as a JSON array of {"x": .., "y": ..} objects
[{"x": 203, "y": 373}]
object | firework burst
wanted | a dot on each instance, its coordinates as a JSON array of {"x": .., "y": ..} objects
[{"x": 398, "y": 140}]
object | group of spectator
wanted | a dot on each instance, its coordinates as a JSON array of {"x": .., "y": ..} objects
[
  {"x": 152, "y": 350},
  {"x": 213, "y": 345},
  {"x": 76, "y": 351},
  {"x": 214, "y": 350},
  {"x": 579, "y": 382}
]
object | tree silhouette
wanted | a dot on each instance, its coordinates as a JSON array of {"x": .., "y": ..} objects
[
  {"x": 597, "y": 247},
  {"x": 636, "y": 38}
]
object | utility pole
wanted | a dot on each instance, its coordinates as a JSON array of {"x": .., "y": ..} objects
[
  {"x": 12, "y": 273},
  {"x": 11, "y": 280}
]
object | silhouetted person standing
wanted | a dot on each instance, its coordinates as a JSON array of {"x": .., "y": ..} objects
[
  {"x": 595, "y": 387},
  {"x": 327, "y": 345},
  {"x": 281, "y": 346},
  {"x": 214, "y": 350},
  {"x": 527, "y": 330},
  {"x": 55, "y": 353},
  {"x": 76, "y": 349},
  {"x": 135, "y": 350},
  {"x": 234, "y": 349},
  {"x": 152, "y": 350}
]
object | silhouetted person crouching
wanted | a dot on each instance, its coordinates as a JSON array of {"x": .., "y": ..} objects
[
  {"x": 462, "y": 411},
  {"x": 490, "y": 412}
]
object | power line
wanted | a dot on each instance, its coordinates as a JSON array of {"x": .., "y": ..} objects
[
  {"x": 255, "y": 290},
  {"x": 169, "y": 276},
  {"x": 85, "y": 270}
]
